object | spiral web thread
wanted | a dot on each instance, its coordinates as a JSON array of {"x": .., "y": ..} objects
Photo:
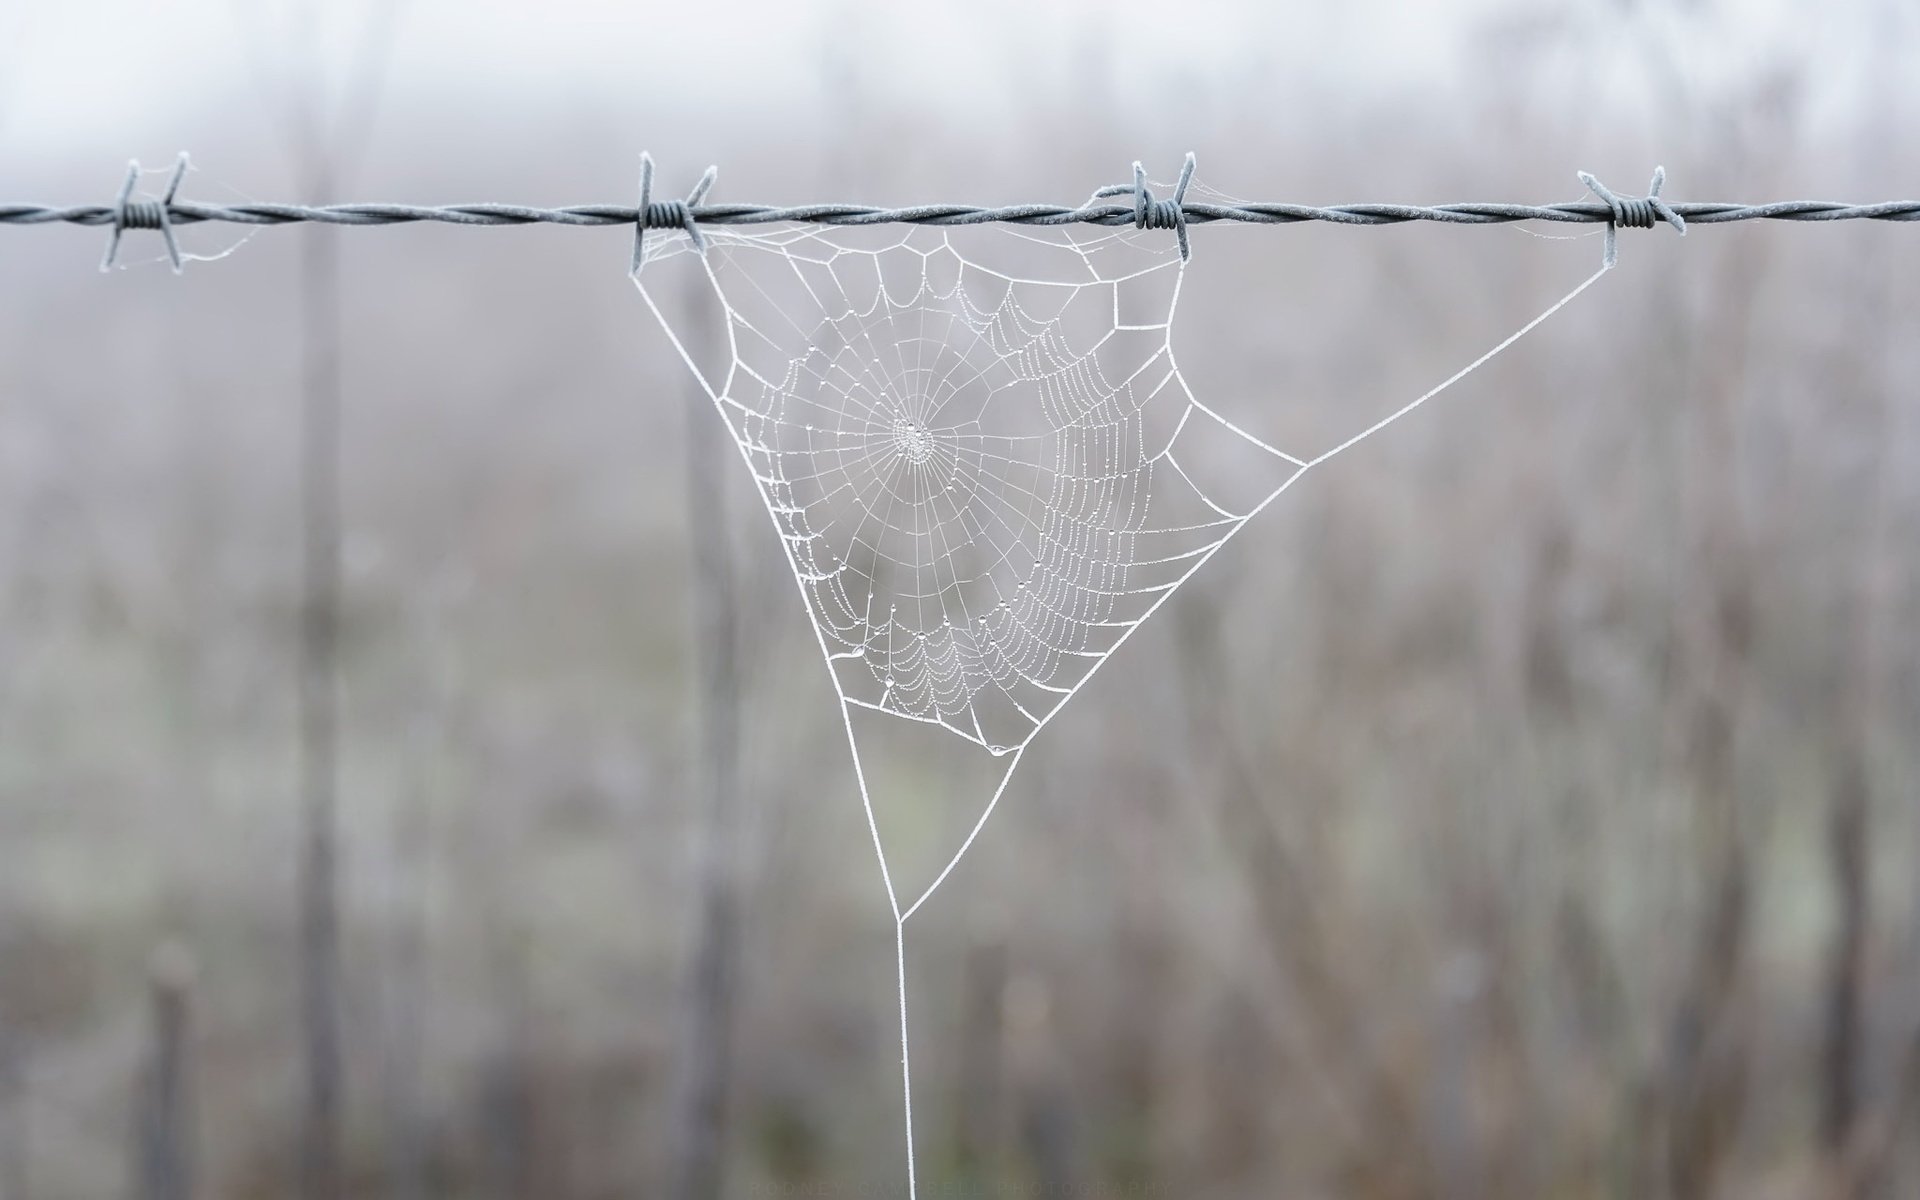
[{"x": 985, "y": 477}]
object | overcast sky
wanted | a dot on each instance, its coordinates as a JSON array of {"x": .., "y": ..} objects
[{"x": 84, "y": 86}]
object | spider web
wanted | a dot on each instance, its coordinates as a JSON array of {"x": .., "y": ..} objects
[{"x": 984, "y": 465}]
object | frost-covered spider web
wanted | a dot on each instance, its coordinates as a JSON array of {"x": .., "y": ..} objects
[
  {"x": 979, "y": 477},
  {"x": 983, "y": 462}
]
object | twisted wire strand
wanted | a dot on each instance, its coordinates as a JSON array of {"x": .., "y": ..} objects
[
  {"x": 1145, "y": 212},
  {"x": 187, "y": 212}
]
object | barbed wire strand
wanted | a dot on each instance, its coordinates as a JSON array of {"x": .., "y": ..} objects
[{"x": 1142, "y": 211}]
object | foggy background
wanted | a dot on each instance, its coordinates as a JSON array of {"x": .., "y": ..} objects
[{"x": 417, "y": 777}]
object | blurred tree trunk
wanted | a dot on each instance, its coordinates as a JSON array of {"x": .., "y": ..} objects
[
  {"x": 319, "y": 693},
  {"x": 1048, "y": 1134},
  {"x": 978, "y": 1125},
  {"x": 511, "y": 1111},
  {"x": 1844, "y": 1134},
  {"x": 699, "y": 1100},
  {"x": 320, "y": 146},
  {"x": 407, "y": 973},
  {"x": 1047, "y": 1129},
  {"x": 13, "y": 1117},
  {"x": 1143, "y": 972},
  {"x": 1847, "y": 863},
  {"x": 163, "y": 1106},
  {"x": 1706, "y": 1065},
  {"x": 1849, "y": 837}
]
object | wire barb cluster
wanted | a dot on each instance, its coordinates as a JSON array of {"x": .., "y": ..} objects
[
  {"x": 1149, "y": 213},
  {"x": 129, "y": 213},
  {"x": 1144, "y": 211},
  {"x": 667, "y": 214},
  {"x": 1639, "y": 213}
]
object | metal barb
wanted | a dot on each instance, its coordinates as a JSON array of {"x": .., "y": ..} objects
[
  {"x": 1171, "y": 213},
  {"x": 1634, "y": 213},
  {"x": 667, "y": 214},
  {"x": 1148, "y": 212},
  {"x": 129, "y": 213}
]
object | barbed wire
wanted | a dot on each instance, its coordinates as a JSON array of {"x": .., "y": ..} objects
[{"x": 1143, "y": 211}]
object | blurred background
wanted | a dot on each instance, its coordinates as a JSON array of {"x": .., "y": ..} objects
[{"x": 417, "y": 777}]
